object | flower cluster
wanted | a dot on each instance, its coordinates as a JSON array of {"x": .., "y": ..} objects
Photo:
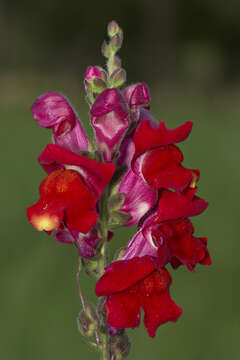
[{"x": 131, "y": 173}]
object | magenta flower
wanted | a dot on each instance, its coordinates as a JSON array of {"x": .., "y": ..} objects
[
  {"x": 52, "y": 110},
  {"x": 109, "y": 118}
]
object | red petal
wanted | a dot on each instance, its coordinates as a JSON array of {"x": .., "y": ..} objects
[
  {"x": 47, "y": 214},
  {"x": 146, "y": 138},
  {"x": 159, "y": 308},
  {"x": 123, "y": 309},
  {"x": 97, "y": 174},
  {"x": 162, "y": 168},
  {"x": 188, "y": 250},
  {"x": 174, "y": 205},
  {"x": 121, "y": 274}
]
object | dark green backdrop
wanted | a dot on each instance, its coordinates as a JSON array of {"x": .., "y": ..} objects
[{"x": 189, "y": 55}]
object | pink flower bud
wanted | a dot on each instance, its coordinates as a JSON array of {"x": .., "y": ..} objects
[
  {"x": 137, "y": 94},
  {"x": 95, "y": 72}
]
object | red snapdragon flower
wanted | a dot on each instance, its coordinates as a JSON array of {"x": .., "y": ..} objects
[
  {"x": 134, "y": 284},
  {"x": 69, "y": 193},
  {"x": 167, "y": 233},
  {"x": 158, "y": 160}
]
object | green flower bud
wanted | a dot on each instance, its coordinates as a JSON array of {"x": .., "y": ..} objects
[
  {"x": 116, "y": 42},
  {"x": 116, "y": 201},
  {"x": 113, "y": 28},
  {"x": 120, "y": 346},
  {"x": 106, "y": 49},
  {"x": 118, "y": 218},
  {"x": 92, "y": 266},
  {"x": 118, "y": 77},
  {"x": 87, "y": 321}
]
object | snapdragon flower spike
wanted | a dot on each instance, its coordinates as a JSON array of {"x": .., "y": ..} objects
[
  {"x": 139, "y": 197},
  {"x": 167, "y": 233},
  {"x": 109, "y": 118},
  {"x": 157, "y": 160},
  {"x": 134, "y": 284},
  {"x": 52, "y": 110},
  {"x": 69, "y": 193}
]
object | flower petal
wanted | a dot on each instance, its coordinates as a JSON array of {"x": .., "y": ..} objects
[
  {"x": 94, "y": 173},
  {"x": 162, "y": 168},
  {"x": 119, "y": 275},
  {"x": 139, "y": 197},
  {"x": 137, "y": 94},
  {"x": 123, "y": 309},
  {"x": 173, "y": 205},
  {"x": 159, "y": 309},
  {"x": 147, "y": 138}
]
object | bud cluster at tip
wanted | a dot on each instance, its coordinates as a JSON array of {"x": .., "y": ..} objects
[{"x": 96, "y": 78}]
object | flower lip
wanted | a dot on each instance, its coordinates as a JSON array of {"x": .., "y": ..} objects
[
  {"x": 96, "y": 174},
  {"x": 109, "y": 100},
  {"x": 52, "y": 108},
  {"x": 147, "y": 138}
]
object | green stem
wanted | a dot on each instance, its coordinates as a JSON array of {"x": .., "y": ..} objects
[{"x": 105, "y": 353}]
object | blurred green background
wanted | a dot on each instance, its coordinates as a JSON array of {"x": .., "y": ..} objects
[{"x": 189, "y": 54}]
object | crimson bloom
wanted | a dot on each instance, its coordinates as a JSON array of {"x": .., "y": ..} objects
[
  {"x": 167, "y": 233},
  {"x": 134, "y": 284},
  {"x": 69, "y": 193},
  {"x": 158, "y": 160}
]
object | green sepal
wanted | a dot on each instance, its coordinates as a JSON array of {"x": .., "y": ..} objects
[
  {"x": 116, "y": 179},
  {"x": 116, "y": 201},
  {"x": 118, "y": 218},
  {"x": 96, "y": 85}
]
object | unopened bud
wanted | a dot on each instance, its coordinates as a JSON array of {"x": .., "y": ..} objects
[
  {"x": 119, "y": 346},
  {"x": 95, "y": 79},
  {"x": 88, "y": 320},
  {"x": 91, "y": 311},
  {"x": 95, "y": 72},
  {"x": 92, "y": 266},
  {"x": 118, "y": 218},
  {"x": 118, "y": 77},
  {"x": 116, "y": 42},
  {"x": 117, "y": 62},
  {"x": 106, "y": 50},
  {"x": 113, "y": 28},
  {"x": 116, "y": 201}
]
